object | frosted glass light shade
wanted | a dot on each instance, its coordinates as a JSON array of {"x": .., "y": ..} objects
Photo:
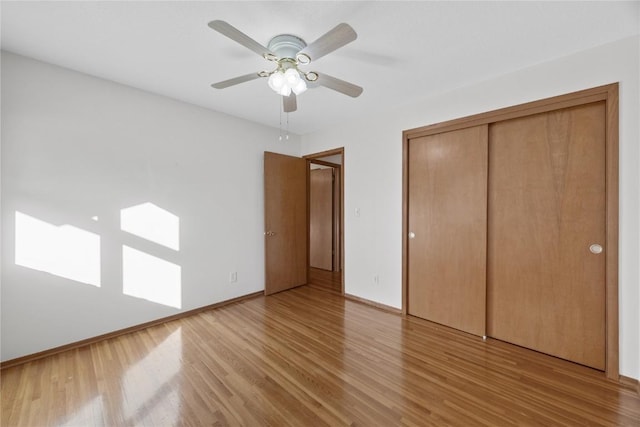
[
  {"x": 283, "y": 83},
  {"x": 285, "y": 90},
  {"x": 300, "y": 87},
  {"x": 276, "y": 81},
  {"x": 292, "y": 77}
]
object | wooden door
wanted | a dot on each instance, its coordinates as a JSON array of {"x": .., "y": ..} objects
[
  {"x": 447, "y": 216},
  {"x": 546, "y": 289},
  {"x": 285, "y": 219},
  {"x": 321, "y": 215}
]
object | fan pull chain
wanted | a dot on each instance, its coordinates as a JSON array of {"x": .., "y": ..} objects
[
  {"x": 286, "y": 137},
  {"x": 287, "y": 130},
  {"x": 280, "y": 109}
]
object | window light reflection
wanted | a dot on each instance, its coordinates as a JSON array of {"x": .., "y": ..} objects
[
  {"x": 152, "y": 223},
  {"x": 149, "y": 277},
  {"x": 151, "y": 383},
  {"x": 86, "y": 415},
  {"x": 63, "y": 251}
]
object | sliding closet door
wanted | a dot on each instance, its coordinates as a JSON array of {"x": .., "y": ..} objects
[
  {"x": 447, "y": 214},
  {"x": 546, "y": 272}
]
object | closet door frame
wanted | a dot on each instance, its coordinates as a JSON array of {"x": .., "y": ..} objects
[{"x": 607, "y": 93}]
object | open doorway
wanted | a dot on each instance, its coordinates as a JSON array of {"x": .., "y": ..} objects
[{"x": 326, "y": 201}]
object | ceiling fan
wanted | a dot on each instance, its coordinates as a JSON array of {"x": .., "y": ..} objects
[{"x": 288, "y": 52}]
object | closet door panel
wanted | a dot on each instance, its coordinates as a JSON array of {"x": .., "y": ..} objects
[
  {"x": 545, "y": 288},
  {"x": 447, "y": 214}
]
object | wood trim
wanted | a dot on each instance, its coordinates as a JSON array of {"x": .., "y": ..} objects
[
  {"x": 611, "y": 262},
  {"x": 342, "y": 264},
  {"x": 308, "y": 178},
  {"x": 312, "y": 158},
  {"x": 573, "y": 99},
  {"x": 337, "y": 218},
  {"x": 82, "y": 343},
  {"x": 325, "y": 153},
  {"x": 632, "y": 383},
  {"x": 374, "y": 304},
  {"x": 323, "y": 163},
  {"x": 405, "y": 221},
  {"x": 338, "y": 258},
  {"x": 608, "y": 93}
]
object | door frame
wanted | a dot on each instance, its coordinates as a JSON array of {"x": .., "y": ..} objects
[
  {"x": 608, "y": 93},
  {"x": 314, "y": 158}
]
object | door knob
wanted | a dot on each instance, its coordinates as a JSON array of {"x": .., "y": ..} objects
[
  {"x": 595, "y": 248},
  {"x": 412, "y": 235}
]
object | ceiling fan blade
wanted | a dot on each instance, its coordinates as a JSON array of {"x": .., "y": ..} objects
[
  {"x": 332, "y": 40},
  {"x": 235, "y": 81},
  {"x": 339, "y": 85},
  {"x": 289, "y": 103},
  {"x": 238, "y": 36}
]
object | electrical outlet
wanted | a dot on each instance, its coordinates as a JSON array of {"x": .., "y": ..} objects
[{"x": 233, "y": 277}]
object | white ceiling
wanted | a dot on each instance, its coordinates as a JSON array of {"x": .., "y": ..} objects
[{"x": 405, "y": 51}]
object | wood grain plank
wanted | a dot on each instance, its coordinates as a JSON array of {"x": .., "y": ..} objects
[
  {"x": 308, "y": 357},
  {"x": 329, "y": 280}
]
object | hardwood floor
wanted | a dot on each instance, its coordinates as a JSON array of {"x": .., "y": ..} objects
[
  {"x": 329, "y": 280},
  {"x": 307, "y": 357}
]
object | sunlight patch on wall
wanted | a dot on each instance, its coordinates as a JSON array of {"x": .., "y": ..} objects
[
  {"x": 152, "y": 223},
  {"x": 63, "y": 251},
  {"x": 151, "y": 278}
]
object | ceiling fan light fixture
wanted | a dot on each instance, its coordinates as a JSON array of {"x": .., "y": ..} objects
[
  {"x": 283, "y": 83},
  {"x": 285, "y": 90},
  {"x": 303, "y": 59},
  {"x": 300, "y": 87},
  {"x": 270, "y": 57},
  {"x": 287, "y": 52},
  {"x": 311, "y": 76},
  {"x": 276, "y": 81},
  {"x": 292, "y": 77}
]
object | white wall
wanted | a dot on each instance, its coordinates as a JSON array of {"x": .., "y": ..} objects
[
  {"x": 373, "y": 167},
  {"x": 73, "y": 147}
]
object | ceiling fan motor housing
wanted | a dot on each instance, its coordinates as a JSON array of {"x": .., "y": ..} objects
[{"x": 286, "y": 45}]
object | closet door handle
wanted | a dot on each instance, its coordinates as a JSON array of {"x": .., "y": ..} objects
[{"x": 595, "y": 248}]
